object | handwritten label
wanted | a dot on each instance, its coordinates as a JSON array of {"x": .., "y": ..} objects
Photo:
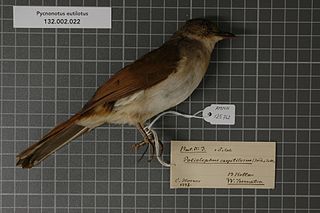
[
  {"x": 215, "y": 164},
  {"x": 61, "y": 17},
  {"x": 223, "y": 114}
]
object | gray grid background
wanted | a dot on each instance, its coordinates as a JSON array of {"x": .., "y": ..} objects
[{"x": 271, "y": 73}]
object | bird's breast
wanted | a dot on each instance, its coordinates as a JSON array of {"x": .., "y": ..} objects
[
  {"x": 147, "y": 103},
  {"x": 179, "y": 85}
]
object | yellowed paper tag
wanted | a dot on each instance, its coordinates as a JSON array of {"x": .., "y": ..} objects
[{"x": 216, "y": 164}]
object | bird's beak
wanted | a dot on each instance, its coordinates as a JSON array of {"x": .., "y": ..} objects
[{"x": 225, "y": 35}]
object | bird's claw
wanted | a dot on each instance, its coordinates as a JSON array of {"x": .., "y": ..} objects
[
  {"x": 136, "y": 146},
  {"x": 149, "y": 142}
]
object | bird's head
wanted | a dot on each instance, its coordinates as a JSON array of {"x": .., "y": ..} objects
[{"x": 203, "y": 29}]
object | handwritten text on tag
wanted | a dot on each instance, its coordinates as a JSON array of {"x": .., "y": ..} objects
[
  {"x": 213, "y": 164},
  {"x": 223, "y": 114}
]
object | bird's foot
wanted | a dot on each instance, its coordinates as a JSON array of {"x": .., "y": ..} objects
[
  {"x": 148, "y": 140},
  {"x": 136, "y": 146}
]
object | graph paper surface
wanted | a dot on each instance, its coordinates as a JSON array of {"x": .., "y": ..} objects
[{"x": 271, "y": 72}]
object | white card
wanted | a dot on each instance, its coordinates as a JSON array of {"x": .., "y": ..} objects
[
  {"x": 216, "y": 164},
  {"x": 222, "y": 114},
  {"x": 61, "y": 17}
]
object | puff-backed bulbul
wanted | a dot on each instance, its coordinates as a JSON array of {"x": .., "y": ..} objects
[{"x": 157, "y": 81}]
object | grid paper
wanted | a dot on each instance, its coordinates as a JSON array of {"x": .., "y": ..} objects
[{"x": 270, "y": 72}]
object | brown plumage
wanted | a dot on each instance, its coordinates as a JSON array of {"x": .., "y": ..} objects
[{"x": 156, "y": 82}]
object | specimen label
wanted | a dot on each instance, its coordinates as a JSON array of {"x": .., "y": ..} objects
[
  {"x": 61, "y": 17},
  {"x": 217, "y": 164},
  {"x": 220, "y": 114}
]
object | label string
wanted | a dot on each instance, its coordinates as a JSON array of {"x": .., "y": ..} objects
[{"x": 150, "y": 132}]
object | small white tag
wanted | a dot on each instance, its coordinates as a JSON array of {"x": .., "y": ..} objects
[
  {"x": 223, "y": 114},
  {"x": 61, "y": 17},
  {"x": 215, "y": 164}
]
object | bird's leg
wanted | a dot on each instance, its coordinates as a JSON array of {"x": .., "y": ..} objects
[{"x": 147, "y": 140}]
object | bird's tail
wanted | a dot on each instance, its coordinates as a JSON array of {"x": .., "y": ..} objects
[{"x": 51, "y": 142}]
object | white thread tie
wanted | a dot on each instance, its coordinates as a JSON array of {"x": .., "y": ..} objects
[{"x": 148, "y": 129}]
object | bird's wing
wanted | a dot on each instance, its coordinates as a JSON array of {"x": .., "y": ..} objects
[{"x": 145, "y": 72}]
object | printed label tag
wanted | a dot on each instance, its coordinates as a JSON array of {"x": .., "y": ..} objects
[
  {"x": 223, "y": 114},
  {"x": 61, "y": 17},
  {"x": 215, "y": 164}
]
